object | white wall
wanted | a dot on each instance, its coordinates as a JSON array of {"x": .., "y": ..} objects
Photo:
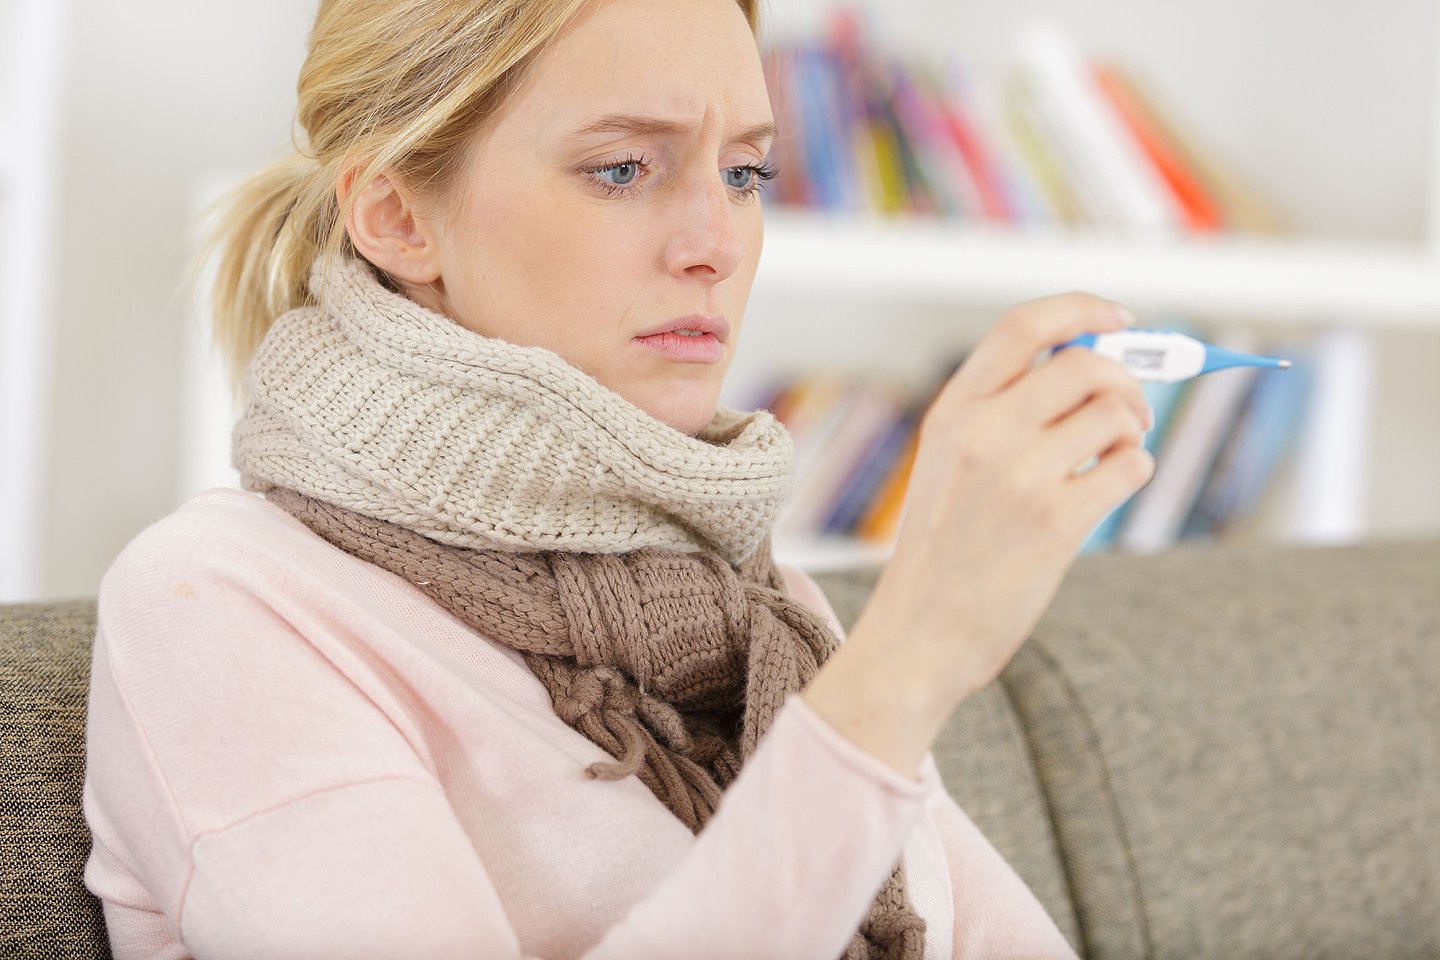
[
  {"x": 1333, "y": 104},
  {"x": 31, "y": 71},
  {"x": 160, "y": 94}
]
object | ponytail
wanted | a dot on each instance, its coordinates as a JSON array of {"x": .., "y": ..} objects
[{"x": 268, "y": 231}]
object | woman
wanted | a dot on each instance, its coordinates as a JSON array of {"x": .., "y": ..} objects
[{"x": 470, "y": 669}]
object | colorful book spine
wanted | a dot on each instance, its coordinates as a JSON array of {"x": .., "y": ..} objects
[
  {"x": 1059, "y": 138},
  {"x": 793, "y": 185},
  {"x": 947, "y": 178},
  {"x": 1199, "y": 209},
  {"x": 868, "y": 481},
  {"x": 1128, "y": 192},
  {"x": 881, "y": 523},
  {"x": 1206, "y": 416},
  {"x": 867, "y": 412},
  {"x": 958, "y": 128}
]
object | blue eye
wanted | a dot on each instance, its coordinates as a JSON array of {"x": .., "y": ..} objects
[
  {"x": 629, "y": 165},
  {"x": 627, "y": 171}
]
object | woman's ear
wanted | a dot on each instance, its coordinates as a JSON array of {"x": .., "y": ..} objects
[{"x": 386, "y": 230}]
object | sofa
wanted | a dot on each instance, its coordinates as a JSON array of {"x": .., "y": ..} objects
[{"x": 1219, "y": 751}]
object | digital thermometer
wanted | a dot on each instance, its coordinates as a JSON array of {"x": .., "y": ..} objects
[{"x": 1165, "y": 356}]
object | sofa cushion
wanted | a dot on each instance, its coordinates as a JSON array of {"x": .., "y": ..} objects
[
  {"x": 45, "y": 910},
  {"x": 1218, "y": 751},
  {"x": 1240, "y": 749}
]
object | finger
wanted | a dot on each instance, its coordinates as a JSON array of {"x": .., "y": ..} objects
[
  {"x": 1100, "y": 425},
  {"x": 1121, "y": 472},
  {"x": 1065, "y": 382},
  {"x": 1011, "y": 346}
]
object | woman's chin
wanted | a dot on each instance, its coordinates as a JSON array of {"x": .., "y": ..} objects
[
  {"x": 692, "y": 421},
  {"x": 687, "y": 410}
]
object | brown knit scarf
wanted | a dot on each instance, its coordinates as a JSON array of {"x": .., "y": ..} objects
[{"x": 674, "y": 663}]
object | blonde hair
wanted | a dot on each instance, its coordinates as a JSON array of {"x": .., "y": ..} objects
[{"x": 388, "y": 85}]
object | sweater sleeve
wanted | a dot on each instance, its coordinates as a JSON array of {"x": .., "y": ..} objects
[
  {"x": 996, "y": 914},
  {"x": 262, "y": 804}
]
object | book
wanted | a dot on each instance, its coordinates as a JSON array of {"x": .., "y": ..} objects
[
  {"x": 1026, "y": 204},
  {"x": 816, "y": 410},
  {"x": 867, "y": 412},
  {"x": 1240, "y": 208},
  {"x": 961, "y": 145},
  {"x": 1203, "y": 420},
  {"x": 1061, "y": 139},
  {"x": 864, "y": 136},
  {"x": 953, "y": 190},
  {"x": 1264, "y": 434},
  {"x": 792, "y": 184},
  {"x": 1051, "y": 170},
  {"x": 1327, "y": 500},
  {"x": 1123, "y": 186},
  {"x": 826, "y": 120},
  {"x": 867, "y": 482},
  {"x": 903, "y": 186},
  {"x": 1201, "y": 213},
  {"x": 881, "y": 523}
]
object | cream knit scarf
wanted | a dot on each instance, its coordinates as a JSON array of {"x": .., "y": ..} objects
[{"x": 627, "y": 562}]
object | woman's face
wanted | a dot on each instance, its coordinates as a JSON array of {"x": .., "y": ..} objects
[{"x": 573, "y": 228}]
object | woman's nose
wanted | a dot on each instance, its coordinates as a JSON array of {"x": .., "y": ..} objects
[{"x": 707, "y": 234}]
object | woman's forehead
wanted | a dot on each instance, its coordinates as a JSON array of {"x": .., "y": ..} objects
[{"x": 672, "y": 61}]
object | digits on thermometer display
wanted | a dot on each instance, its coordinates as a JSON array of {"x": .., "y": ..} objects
[{"x": 1165, "y": 356}]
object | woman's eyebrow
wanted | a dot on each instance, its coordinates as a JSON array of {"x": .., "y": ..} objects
[{"x": 634, "y": 123}]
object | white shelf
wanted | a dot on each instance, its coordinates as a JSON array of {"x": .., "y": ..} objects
[
  {"x": 1258, "y": 277},
  {"x": 830, "y": 553}
]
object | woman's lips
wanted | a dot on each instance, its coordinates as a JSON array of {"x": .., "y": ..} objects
[{"x": 699, "y": 348}]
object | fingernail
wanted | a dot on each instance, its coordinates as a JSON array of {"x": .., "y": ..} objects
[{"x": 1126, "y": 315}]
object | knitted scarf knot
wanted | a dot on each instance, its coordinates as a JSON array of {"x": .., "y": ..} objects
[{"x": 627, "y": 563}]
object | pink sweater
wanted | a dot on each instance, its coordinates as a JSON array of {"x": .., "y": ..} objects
[{"x": 293, "y": 753}]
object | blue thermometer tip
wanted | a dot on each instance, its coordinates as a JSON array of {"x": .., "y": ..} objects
[{"x": 1218, "y": 358}]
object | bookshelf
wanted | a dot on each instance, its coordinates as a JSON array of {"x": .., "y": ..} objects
[{"x": 963, "y": 272}]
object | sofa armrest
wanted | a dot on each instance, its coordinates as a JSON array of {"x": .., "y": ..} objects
[{"x": 45, "y": 910}]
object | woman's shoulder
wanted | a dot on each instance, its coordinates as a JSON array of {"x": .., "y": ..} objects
[
  {"x": 220, "y": 532},
  {"x": 220, "y": 517}
]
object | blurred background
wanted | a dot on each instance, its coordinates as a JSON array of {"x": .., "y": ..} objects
[{"x": 941, "y": 160}]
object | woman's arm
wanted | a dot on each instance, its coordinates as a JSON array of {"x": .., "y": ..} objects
[
  {"x": 995, "y": 913},
  {"x": 995, "y": 514}
]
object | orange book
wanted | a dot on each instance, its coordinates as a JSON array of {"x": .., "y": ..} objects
[
  {"x": 1201, "y": 213},
  {"x": 1240, "y": 208},
  {"x": 882, "y": 521}
]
